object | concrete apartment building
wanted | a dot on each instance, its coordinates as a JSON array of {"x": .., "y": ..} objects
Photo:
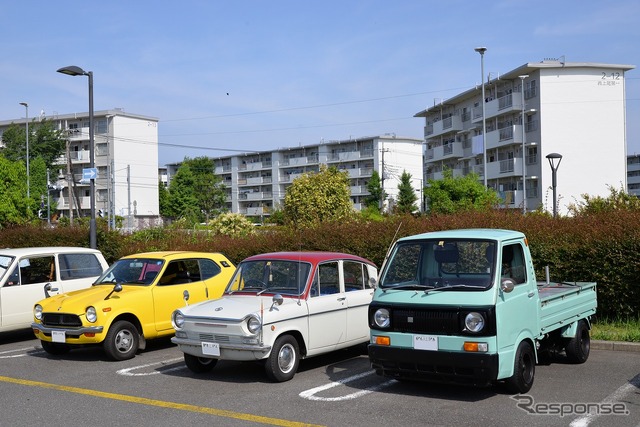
[
  {"x": 126, "y": 159},
  {"x": 574, "y": 109},
  {"x": 256, "y": 182}
]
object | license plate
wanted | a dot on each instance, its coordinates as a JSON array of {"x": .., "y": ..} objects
[
  {"x": 425, "y": 342},
  {"x": 211, "y": 348},
  {"x": 58, "y": 336}
]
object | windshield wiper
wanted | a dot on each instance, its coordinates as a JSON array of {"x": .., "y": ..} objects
[
  {"x": 412, "y": 286},
  {"x": 461, "y": 286}
]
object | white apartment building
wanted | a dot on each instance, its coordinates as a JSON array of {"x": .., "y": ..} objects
[
  {"x": 256, "y": 182},
  {"x": 126, "y": 159},
  {"x": 574, "y": 109}
]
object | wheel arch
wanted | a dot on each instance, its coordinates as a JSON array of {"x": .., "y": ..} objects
[{"x": 133, "y": 319}]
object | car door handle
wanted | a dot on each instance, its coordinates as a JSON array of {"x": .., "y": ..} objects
[
  {"x": 342, "y": 298},
  {"x": 531, "y": 294}
]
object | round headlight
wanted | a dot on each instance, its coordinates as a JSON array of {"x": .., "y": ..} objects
[
  {"x": 381, "y": 318},
  {"x": 177, "y": 319},
  {"x": 91, "y": 314},
  {"x": 253, "y": 324},
  {"x": 37, "y": 312},
  {"x": 474, "y": 322}
]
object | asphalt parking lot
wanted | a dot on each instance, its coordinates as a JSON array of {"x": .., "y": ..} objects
[{"x": 156, "y": 389}]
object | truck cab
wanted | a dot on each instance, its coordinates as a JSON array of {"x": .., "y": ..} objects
[{"x": 464, "y": 306}]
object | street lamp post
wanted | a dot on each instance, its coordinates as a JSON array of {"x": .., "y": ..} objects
[
  {"x": 72, "y": 70},
  {"x": 553, "y": 157},
  {"x": 524, "y": 157},
  {"x": 481, "y": 51},
  {"x": 26, "y": 107}
]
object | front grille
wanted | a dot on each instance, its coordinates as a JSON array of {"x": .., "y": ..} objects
[
  {"x": 422, "y": 321},
  {"x": 61, "y": 319}
]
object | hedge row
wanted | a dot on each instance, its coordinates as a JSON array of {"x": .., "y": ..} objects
[{"x": 603, "y": 248}]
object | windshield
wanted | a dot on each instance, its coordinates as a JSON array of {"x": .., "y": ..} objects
[
  {"x": 270, "y": 276},
  {"x": 5, "y": 262},
  {"x": 441, "y": 264},
  {"x": 136, "y": 271}
]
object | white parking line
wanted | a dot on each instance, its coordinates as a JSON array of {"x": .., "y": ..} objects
[
  {"x": 129, "y": 371},
  {"x": 617, "y": 396},
  {"x": 311, "y": 394},
  {"x": 4, "y": 354}
]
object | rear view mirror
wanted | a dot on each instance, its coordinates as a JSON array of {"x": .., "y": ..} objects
[{"x": 507, "y": 285}]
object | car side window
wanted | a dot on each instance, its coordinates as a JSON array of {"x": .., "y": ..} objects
[
  {"x": 328, "y": 278},
  {"x": 37, "y": 270},
  {"x": 513, "y": 265},
  {"x": 209, "y": 269},
  {"x": 353, "y": 276},
  {"x": 78, "y": 266}
]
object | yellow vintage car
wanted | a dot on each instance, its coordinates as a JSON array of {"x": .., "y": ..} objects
[{"x": 130, "y": 302}]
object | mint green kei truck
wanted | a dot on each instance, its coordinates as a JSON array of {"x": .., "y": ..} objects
[{"x": 463, "y": 306}]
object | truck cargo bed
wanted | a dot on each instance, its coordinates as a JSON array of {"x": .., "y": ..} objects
[{"x": 564, "y": 303}]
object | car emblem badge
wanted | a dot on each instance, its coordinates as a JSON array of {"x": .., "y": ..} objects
[{"x": 218, "y": 308}]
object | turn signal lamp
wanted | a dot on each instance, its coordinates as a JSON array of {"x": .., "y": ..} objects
[
  {"x": 476, "y": 346},
  {"x": 382, "y": 340}
]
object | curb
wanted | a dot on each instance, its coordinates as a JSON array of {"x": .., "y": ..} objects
[{"x": 615, "y": 346}]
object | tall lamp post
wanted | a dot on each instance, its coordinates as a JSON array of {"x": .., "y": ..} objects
[
  {"x": 553, "y": 158},
  {"x": 26, "y": 107},
  {"x": 481, "y": 51},
  {"x": 72, "y": 70},
  {"x": 524, "y": 157}
]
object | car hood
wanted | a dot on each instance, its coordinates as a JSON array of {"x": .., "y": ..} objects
[
  {"x": 78, "y": 301},
  {"x": 237, "y": 307}
]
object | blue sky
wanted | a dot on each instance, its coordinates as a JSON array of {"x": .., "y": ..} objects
[{"x": 237, "y": 76}]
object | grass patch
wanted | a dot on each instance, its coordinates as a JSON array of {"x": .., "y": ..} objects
[{"x": 627, "y": 330}]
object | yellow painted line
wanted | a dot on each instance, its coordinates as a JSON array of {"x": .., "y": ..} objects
[{"x": 160, "y": 403}]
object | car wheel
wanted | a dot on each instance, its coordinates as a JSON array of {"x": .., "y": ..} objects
[
  {"x": 55, "y": 348},
  {"x": 524, "y": 369},
  {"x": 122, "y": 341},
  {"x": 579, "y": 346},
  {"x": 199, "y": 365},
  {"x": 282, "y": 363}
]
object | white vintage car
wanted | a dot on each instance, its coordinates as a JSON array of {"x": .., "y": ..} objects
[
  {"x": 280, "y": 307},
  {"x": 28, "y": 275}
]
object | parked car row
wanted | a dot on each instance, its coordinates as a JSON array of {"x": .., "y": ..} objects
[{"x": 459, "y": 306}]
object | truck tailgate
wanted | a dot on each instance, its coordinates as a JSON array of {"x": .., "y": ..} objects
[{"x": 564, "y": 303}]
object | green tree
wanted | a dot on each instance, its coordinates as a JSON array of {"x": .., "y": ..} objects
[
  {"x": 318, "y": 197},
  {"x": 183, "y": 203},
  {"x": 209, "y": 189},
  {"x": 14, "y": 206},
  {"x": 44, "y": 141},
  {"x": 450, "y": 195},
  {"x": 406, "y": 195},
  {"x": 232, "y": 224},
  {"x": 617, "y": 200},
  {"x": 376, "y": 193},
  {"x": 163, "y": 200}
]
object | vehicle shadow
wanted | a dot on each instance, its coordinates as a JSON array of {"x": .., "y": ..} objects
[{"x": 17, "y": 336}]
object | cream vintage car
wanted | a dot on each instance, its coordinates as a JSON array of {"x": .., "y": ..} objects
[
  {"x": 29, "y": 274},
  {"x": 278, "y": 308}
]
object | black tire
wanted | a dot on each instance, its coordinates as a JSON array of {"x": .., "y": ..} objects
[
  {"x": 122, "y": 341},
  {"x": 55, "y": 348},
  {"x": 284, "y": 359},
  {"x": 199, "y": 365},
  {"x": 524, "y": 369},
  {"x": 578, "y": 347}
]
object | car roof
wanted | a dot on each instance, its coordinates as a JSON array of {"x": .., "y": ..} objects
[
  {"x": 469, "y": 233},
  {"x": 45, "y": 250},
  {"x": 308, "y": 256},
  {"x": 173, "y": 254}
]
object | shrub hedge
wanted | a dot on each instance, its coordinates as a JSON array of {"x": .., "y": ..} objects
[{"x": 601, "y": 247}]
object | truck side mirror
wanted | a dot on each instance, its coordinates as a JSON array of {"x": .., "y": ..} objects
[{"x": 507, "y": 284}]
